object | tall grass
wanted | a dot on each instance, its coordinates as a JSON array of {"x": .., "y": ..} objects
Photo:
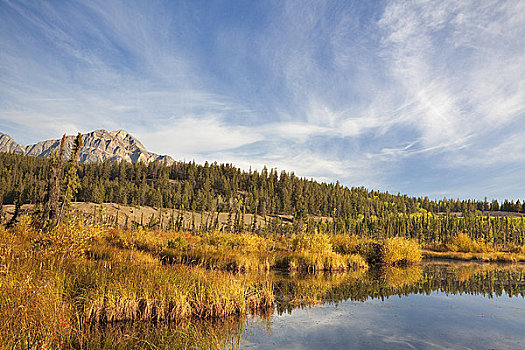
[
  {"x": 225, "y": 251},
  {"x": 52, "y": 289}
]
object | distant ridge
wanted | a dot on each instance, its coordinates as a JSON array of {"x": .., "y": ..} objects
[{"x": 99, "y": 145}]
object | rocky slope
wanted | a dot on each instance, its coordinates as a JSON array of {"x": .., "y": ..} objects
[
  {"x": 99, "y": 145},
  {"x": 7, "y": 144}
]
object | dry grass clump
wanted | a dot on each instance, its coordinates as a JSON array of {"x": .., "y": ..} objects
[
  {"x": 400, "y": 251},
  {"x": 174, "y": 293}
]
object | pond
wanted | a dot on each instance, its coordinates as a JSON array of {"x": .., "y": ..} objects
[
  {"x": 434, "y": 306},
  {"x": 438, "y": 305}
]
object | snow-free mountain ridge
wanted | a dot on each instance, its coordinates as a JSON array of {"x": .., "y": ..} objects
[{"x": 99, "y": 145}]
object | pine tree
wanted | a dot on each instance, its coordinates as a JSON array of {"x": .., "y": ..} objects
[
  {"x": 51, "y": 206},
  {"x": 71, "y": 181}
]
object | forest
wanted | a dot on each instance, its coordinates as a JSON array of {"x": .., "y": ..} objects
[{"x": 281, "y": 195}]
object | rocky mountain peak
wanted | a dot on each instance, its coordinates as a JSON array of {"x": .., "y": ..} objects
[
  {"x": 7, "y": 144},
  {"x": 99, "y": 145}
]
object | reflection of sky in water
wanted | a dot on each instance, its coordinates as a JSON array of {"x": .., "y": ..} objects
[{"x": 436, "y": 321}]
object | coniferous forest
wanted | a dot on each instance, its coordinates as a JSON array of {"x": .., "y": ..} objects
[{"x": 225, "y": 188}]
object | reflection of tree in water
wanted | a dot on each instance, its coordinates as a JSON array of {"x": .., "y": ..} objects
[
  {"x": 304, "y": 290},
  {"x": 484, "y": 279}
]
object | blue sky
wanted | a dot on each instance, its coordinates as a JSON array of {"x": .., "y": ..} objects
[{"x": 418, "y": 97}]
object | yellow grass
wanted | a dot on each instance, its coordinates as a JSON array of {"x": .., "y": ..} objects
[
  {"x": 54, "y": 284},
  {"x": 485, "y": 257}
]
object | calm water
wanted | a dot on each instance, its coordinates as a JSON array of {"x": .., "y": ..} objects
[
  {"x": 432, "y": 306},
  {"x": 436, "y": 306}
]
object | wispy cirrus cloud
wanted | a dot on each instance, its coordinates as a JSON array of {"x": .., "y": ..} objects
[
  {"x": 409, "y": 96},
  {"x": 459, "y": 63}
]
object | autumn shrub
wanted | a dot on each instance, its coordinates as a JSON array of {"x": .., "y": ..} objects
[
  {"x": 71, "y": 238},
  {"x": 463, "y": 243},
  {"x": 400, "y": 251},
  {"x": 371, "y": 251}
]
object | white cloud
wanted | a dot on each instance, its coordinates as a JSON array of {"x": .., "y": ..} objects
[
  {"x": 319, "y": 88},
  {"x": 461, "y": 63},
  {"x": 191, "y": 135}
]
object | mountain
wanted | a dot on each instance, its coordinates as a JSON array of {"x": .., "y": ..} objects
[
  {"x": 7, "y": 144},
  {"x": 99, "y": 145}
]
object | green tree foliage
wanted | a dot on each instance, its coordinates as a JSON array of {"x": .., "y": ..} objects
[
  {"x": 51, "y": 203},
  {"x": 71, "y": 180},
  {"x": 280, "y": 198}
]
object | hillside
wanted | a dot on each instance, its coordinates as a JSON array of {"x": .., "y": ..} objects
[{"x": 291, "y": 202}]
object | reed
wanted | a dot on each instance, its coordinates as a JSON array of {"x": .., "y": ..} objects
[{"x": 52, "y": 290}]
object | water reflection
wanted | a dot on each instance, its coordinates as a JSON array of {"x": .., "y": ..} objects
[
  {"x": 380, "y": 283},
  {"x": 438, "y": 305},
  {"x": 434, "y": 305}
]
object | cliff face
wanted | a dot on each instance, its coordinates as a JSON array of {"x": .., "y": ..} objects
[{"x": 99, "y": 145}]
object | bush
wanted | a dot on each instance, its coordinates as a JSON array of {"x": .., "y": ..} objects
[
  {"x": 463, "y": 243},
  {"x": 400, "y": 251}
]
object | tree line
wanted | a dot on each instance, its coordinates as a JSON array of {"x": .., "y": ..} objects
[
  {"x": 213, "y": 187},
  {"x": 221, "y": 187}
]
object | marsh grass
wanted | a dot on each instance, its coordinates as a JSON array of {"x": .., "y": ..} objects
[
  {"x": 507, "y": 257},
  {"x": 52, "y": 288},
  {"x": 462, "y": 247},
  {"x": 56, "y": 285}
]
